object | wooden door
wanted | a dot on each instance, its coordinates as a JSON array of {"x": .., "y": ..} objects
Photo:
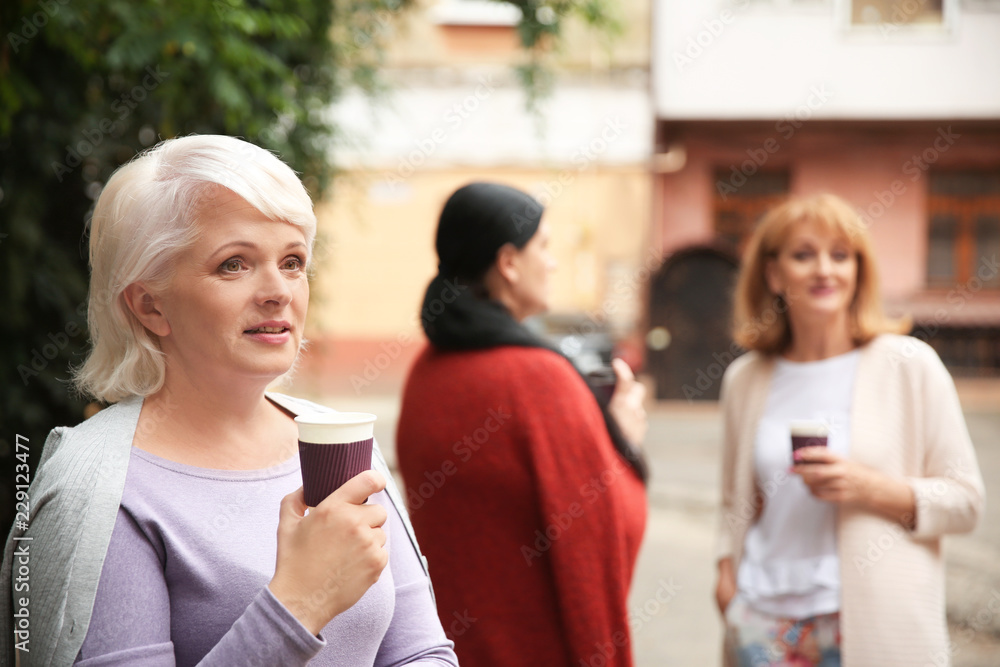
[{"x": 691, "y": 310}]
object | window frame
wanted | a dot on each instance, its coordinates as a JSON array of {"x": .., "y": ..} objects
[
  {"x": 967, "y": 210},
  {"x": 478, "y": 13},
  {"x": 950, "y": 10},
  {"x": 744, "y": 203}
]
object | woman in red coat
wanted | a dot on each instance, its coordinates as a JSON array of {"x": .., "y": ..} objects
[{"x": 526, "y": 494}]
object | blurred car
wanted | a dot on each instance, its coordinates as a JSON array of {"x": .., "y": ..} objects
[{"x": 587, "y": 342}]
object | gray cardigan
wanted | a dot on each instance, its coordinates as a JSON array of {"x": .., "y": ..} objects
[{"x": 74, "y": 500}]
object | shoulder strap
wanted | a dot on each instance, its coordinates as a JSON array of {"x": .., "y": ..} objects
[{"x": 298, "y": 406}]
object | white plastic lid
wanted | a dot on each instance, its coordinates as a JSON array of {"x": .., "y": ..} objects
[
  {"x": 333, "y": 428},
  {"x": 809, "y": 429}
]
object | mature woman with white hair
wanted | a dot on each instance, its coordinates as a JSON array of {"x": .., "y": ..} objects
[{"x": 170, "y": 529}]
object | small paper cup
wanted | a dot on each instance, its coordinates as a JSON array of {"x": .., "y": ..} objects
[
  {"x": 602, "y": 382},
  {"x": 808, "y": 433},
  {"x": 333, "y": 448}
]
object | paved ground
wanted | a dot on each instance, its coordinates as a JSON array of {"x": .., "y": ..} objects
[
  {"x": 684, "y": 448},
  {"x": 674, "y": 618}
]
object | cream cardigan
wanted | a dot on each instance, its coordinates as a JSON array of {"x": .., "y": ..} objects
[{"x": 906, "y": 421}]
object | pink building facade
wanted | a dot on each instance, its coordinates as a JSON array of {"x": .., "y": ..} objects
[{"x": 900, "y": 119}]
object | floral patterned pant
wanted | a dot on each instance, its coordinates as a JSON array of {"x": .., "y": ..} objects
[{"x": 756, "y": 639}]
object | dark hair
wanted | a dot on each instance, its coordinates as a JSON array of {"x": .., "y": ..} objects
[{"x": 479, "y": 219}]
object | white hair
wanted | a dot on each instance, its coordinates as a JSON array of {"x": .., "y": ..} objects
[{"x": 144, "y": 218}]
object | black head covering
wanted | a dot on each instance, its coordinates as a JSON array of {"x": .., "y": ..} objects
[{"x": 478, "y": 220}]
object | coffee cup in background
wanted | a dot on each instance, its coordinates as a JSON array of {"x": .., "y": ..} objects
[
  {"x": 602, "y": 381},
  {"x": 333, "y": 448},
  {"x": 808, "y": 433}
]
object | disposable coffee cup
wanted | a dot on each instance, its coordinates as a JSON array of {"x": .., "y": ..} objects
[
  {"x": 333, "y": 448},
  {"x": 808, "y": 434},
  {"x": 602, "y": 381}
]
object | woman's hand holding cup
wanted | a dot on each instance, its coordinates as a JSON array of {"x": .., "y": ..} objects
[
  {"x": 833, "y": 478},
  {"x": 327, "y": 559}
]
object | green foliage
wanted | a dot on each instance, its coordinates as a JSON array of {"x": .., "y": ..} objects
[
  {"x": 84, "y": 86},
  {"x": 540, "y": 30},
  {"x": 87, "y": 84}
]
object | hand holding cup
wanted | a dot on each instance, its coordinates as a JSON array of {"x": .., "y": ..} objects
[
  {"x": 807, "y": 433},
  {"x": 829, "y": 477},
  {"x": 327, "y": 559},
  {"x": 626, "y": 404}
]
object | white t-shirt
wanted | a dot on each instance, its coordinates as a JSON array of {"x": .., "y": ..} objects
[{"x": 790, "y": 566}]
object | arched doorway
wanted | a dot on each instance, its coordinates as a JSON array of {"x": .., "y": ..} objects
[{"x": 688, "y": 345}]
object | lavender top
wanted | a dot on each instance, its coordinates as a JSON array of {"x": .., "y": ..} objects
[{"x": 185, "y": 580}]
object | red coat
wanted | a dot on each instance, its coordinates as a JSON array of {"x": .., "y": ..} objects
[{"x": 530, "y": 520}]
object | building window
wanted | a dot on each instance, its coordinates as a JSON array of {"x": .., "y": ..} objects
[
  {"x": 885, "y": 18},
  {"x": 790, "y": 4},
  {"x": 964, "y": 228},
  {"x": 736, "y": 213},
  {"x": 477, "y": 27},
  {"x": 897, "y": 12},
  {"x": 981, "y": 5},
  {"x": 475, "y": 13}
]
